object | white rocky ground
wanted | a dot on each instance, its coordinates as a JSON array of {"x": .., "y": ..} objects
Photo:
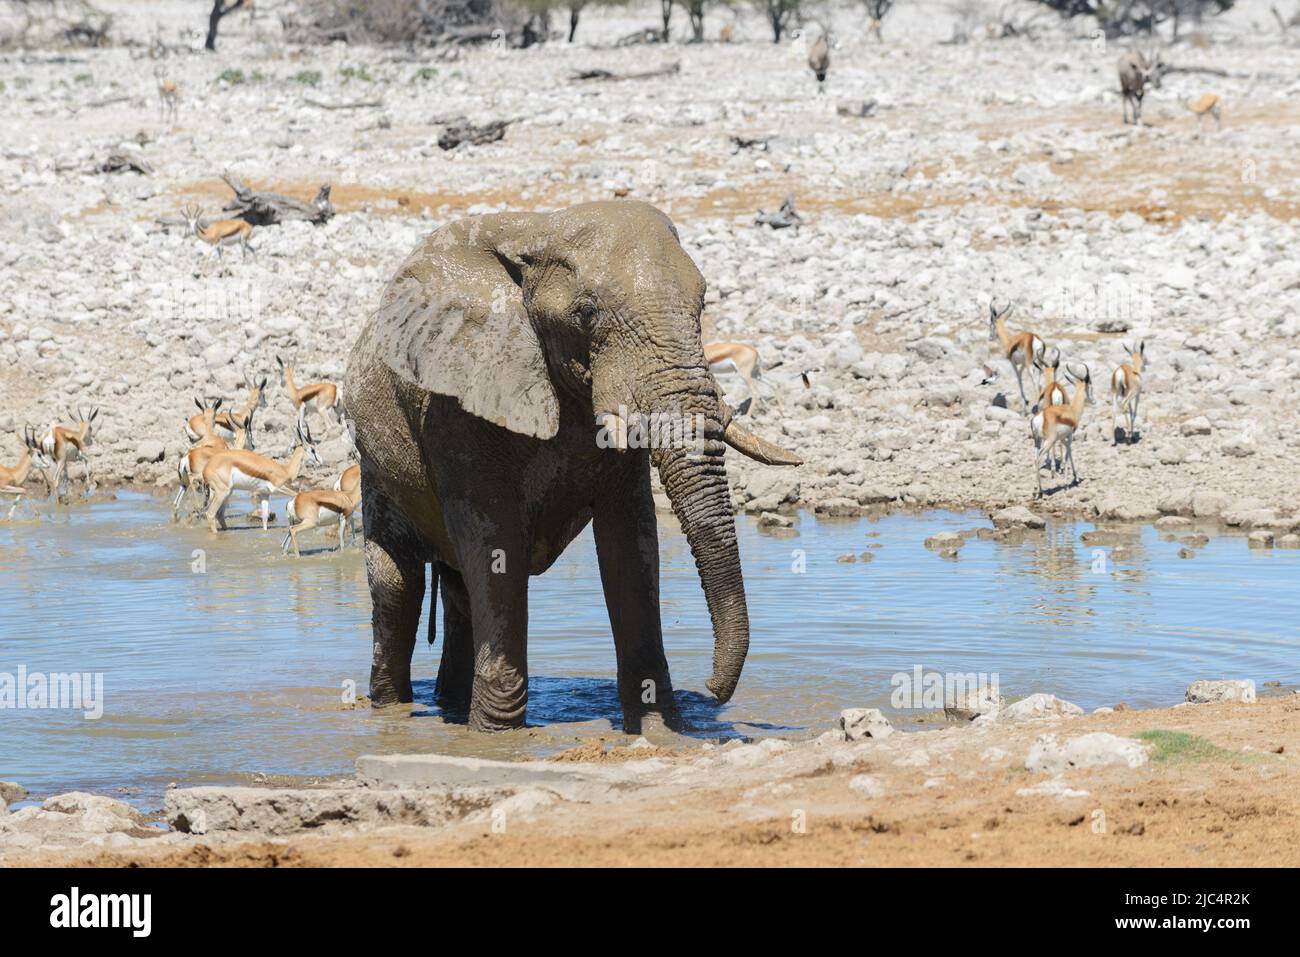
[{"x": 997, "y": 167}]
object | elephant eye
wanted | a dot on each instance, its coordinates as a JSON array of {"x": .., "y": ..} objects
[{"x": 586, "y": 308}]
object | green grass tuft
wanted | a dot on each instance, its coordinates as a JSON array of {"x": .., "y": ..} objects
[
  {"x": 355, "y": 73},
  {"x": 1178, "y": 746}
]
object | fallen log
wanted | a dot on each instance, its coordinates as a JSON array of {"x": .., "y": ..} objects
[
  {"x": 647, "y": 35},
  {"x": 462, "y": 131},
  {"x": 270, "y": 209},
  {"x": 856, "y": 108},
  {"x": 107, "y": 101},
  {"x": 782, "y": 218},
  {"x": 121, "y": 163},
  {"x": 609, "y": 76},
  {"x": 355, "y": 105}
]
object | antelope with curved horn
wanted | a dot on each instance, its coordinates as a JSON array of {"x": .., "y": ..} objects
[
  {"x": 324, "y": 397},
  {"x": 1052, "y": 393},
  {"x": 249, "y": 471},
  {"x": 169, "y": 97},
  {"x": 228, "y": 424},
  {"x": 63, "y": 445},
  {"x": 1024, "y": 350},
  {"x": 1058, "y": 424},
  {"x": 312, "y": 509},
  {"x": 1136, "y": 70},
  {"x": 221, "y": 233},
  {"x": 12, "y": 479},
  {"x": 1126, "y": 390},
  {"x": 819, "y": 61},
  {"x": 190, "y": 467}
]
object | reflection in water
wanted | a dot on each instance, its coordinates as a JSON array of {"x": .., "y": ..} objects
[{"x": 223, "y": 658}]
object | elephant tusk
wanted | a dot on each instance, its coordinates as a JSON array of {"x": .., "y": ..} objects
[{"x": 760, "y": 450}]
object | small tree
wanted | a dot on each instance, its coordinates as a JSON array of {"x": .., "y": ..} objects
[
  {"x": 219, "y": 9},
  {"x": 876, "y": 10},
  {"x": 779, "y": 13},
  {"x": 575, "y": 11},
  {"x": 695, "y": 10},
  {"x": 575, "y": 8}
]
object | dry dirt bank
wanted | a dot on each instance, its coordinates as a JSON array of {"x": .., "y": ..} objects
[{"x": 1227, "y": 795}]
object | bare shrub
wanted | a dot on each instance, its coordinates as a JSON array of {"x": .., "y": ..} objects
[
  {"x": 1124, "y": 17},
  {"x": 414, "y": 21}
]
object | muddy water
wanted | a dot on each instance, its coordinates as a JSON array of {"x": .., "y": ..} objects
[{"x": 224, "y": 661}]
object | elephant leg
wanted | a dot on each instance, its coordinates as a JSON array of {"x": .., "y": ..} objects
[
  {"x": 456, "y": 671},
  {"x": 494, "y": 565},
  {"x": 627, "y": 548},
  {"x": 395, "y": 571}
]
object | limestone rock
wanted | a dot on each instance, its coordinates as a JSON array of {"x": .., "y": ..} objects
[
  {"x": 1017, "y": 515},
  {"x": 1203, "y": 692},
  {"x": 1097, "y": 749},
  {"x": 861, "y": 723},
  {"x": 1039, "y": 706}
]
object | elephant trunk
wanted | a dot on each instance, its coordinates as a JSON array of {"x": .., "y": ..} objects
[{"x": 695, "y": 479}]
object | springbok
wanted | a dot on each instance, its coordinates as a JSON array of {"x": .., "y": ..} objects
[
  {"x": 1126, "y": 390},
  {"x": 322, "y": 396},
  {"x": 819, "y": 61},
  {"x": 12, "y": 479},
  {"x": 1207, "y": 104},
  {"x": 1024, "y": 350},
  {"x": 190, "y": 467},
  {"x": 350, "y": 481},
  {"x": 169, "y": 96},
  {"x": 1058, "y": 424},
  {"x": 228, "y": 424},
  {"x": 234, "y": 469},
  {"x": 1052, "y": 393},
  {"x": 65, "y": 444},
  {"x": 219, "y": 234},
  {"x": 312, "y": 509},
  {"x": 1136, "y": 70},
  {"x": 741, "y": 359}
]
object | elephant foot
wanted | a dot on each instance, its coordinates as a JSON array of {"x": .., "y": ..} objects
[
  {"x": 640, "y": 721},
  {"x": 388, "y": 689},
  {"x": 489, "y": 725},
  {"x": 498, "y": 709}
]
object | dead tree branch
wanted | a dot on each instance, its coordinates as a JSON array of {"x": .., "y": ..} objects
[{"x": 270, "y": 209}]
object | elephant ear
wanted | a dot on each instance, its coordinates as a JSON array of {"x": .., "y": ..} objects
[{"x": 453, "y": 322}]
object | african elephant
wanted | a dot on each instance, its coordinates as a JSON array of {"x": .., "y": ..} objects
[{"x": 496, "y": 393}]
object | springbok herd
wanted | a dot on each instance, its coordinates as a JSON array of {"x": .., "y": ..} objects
[
  {"x": 1055, "y": 414},
  {"x": 220, "y": 460}
]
